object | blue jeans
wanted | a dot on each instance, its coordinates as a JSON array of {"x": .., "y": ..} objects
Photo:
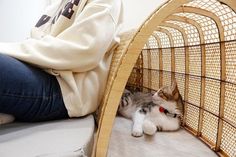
[{"x": 29, "y": 93}]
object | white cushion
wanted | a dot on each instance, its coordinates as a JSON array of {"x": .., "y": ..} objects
[{"x": 64, "y": 138}]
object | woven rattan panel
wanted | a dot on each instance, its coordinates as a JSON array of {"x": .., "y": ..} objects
[
  {"x": 196, "y": 45},
  {"x": 230, "y": 61},
  {"x": 195, "y": 62},
  {"x": 180, "y": 79},
  {"x": 118, "y": 54}
]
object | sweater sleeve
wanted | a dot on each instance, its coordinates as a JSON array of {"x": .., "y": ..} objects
[{"x": 78, "y": 48}]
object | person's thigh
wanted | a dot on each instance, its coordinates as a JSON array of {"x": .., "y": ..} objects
[{"x": 29, "y": 93}]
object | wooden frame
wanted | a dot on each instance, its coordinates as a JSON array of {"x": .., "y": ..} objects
[{"x": 129, "y": 51}]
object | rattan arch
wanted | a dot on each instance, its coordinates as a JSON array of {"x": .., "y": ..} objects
[{"x": 208, "y": 87}]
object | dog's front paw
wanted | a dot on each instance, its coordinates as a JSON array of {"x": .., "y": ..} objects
[
  {"x": 149, "y": 128},
  {"x": 137, "y": 132}
]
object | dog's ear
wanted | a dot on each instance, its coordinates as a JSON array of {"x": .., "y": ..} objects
[
  {"x": 175, "y": 90},
  {"x": 174, "y": 87},
  {"x": 180, "y": 104}
]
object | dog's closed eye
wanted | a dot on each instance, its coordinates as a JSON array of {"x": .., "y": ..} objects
[{"x": 162, "y": 95}]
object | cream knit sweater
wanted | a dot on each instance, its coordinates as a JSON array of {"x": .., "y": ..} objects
[{"x": 74, "y": 40}]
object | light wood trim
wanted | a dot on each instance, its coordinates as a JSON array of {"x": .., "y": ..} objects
[
  {"x": 186, "y": 91},
  {"x": 154, "y": 20},
  {"x": 220, "y": 28},
  {"x": 230, "y": 3},
  {"x": 188, "y": 21},
  {"x": 203, "y": 67},
  {"x": 141, "y": 72},
  {"x": 158, "y": 40},
  {"x": 206, "y": 13},
  {"x": 222, "y": 96},
  {"x": 165, "y": 31},
  {"x": 178, "y": 28},
  {"x": 128, "y": 62},
  {"x": 160, "y": 60},
  {"x": 185, "y": 38},
  {"x": 203, "y": 88},
  {"x": 161, "y": 68},
  {"x": 147, "y": 45},
  {"x": 109, "y": 107},
  {"x": 125, "y": 69},
  {"x": 202, "y": 41},
  {"x": 223, "y": 66},
  {"x": 149, "y": 67}
]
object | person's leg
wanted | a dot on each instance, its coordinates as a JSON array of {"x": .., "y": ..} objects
[{"x": 29, "y": 93}]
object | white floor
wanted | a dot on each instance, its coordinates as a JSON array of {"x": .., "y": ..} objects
[{"x": 162, "y": 144}]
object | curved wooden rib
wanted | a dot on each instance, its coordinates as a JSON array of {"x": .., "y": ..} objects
[
  {"x": 131, "y": 54},
  {"x": 223, "y": 63},
  {"x": 188, "y": 21},
  {"x": 158, "y": 40},
  {"x": 230, "y": 3},
  {"x": 203, "y": 67},
  {"x": 185, "y": 38},
  {"x": 111, "y": 97},
  {"x": 160, "y": 59},
  {"x": 125, "y": 68},
  {"x": 206, "y": 13},
  {"x": 147, "y": 45},
  {"x": 163, "y": 30},
  {"x": 178, "y": 28}
]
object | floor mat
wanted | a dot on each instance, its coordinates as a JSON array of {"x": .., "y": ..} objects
[{"x": 162, "y": 144}]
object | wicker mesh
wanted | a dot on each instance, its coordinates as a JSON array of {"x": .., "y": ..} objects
[
  {"x": 145, "y": 90},
  {"x": 145, "y": 58},
  {"x": 145, "y": 46},
  {"x": 180, "y": 60},
  {"x": 194, "y": 90},
  {"x": 180, "y": 79},
  {"x": 166, "y": 59},
  {"x": 105, "y": 112},
  {"x": 154, "y": 58},
  {"x": 196, "y": 45},
  {"x": 165, "y": 42},
  {"x": 155, "y": 80},
  {"x": 192, "y": 32},
  {"x": 209, "y": 28},
  {"x": 166, "y": 78},
  {"x": 213, "y": 60},
  {"x": 225, "y": 13},
  {"x": 228, "y": 142},
  {"x": 177, "y": 36},
  {"x": 192, "y": 117},
  {"x": 152, "y": 43},
  {"x": 193, "y": 41},
  {"x": 230, "y": 105},
  {"x": 195, "y": 62},
  {"x": 145, "y": 78},
  {"x": 209, "y": 127},
  {"x": 230, "y": 61},
  {"x": 133, "y": 78},
  {"x": 212, "y": 96}
]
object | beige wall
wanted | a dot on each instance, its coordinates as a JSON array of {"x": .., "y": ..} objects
[
  {"x": 136, "y": 11},
  {"x": 18, "y": 16}
]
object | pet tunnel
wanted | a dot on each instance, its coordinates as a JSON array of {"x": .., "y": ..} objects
[{"x": 194, "y": 42}]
